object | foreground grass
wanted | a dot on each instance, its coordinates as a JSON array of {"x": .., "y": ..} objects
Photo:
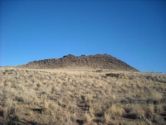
[{"x": 81, "y": 97}]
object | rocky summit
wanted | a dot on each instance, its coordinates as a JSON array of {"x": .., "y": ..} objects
[{"x": 99, "y": 61}]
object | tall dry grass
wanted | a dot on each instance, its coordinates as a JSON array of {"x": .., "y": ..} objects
[{"x": 81, "y": 97}]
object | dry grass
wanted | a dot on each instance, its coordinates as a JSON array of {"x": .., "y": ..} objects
[{"x": 81, "y": 97}]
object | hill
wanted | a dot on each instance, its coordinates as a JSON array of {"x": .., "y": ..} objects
[
  {"x": 100, "y": 61},
  {"x": 81, "y": 97}
]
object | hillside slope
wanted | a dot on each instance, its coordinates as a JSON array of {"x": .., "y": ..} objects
[
  {"x": 102, "y": 61},
  {"x": 81, "y": 97}
]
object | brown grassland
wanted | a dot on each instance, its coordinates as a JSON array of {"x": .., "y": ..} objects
[{"x": 81, "y": 97}]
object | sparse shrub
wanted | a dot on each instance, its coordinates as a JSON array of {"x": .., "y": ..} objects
[
  {"x": 154, "y": 95},
  {"x": 115, "y": 109}
]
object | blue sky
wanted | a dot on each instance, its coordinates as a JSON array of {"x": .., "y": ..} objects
[{"x": 131, "y": 30}]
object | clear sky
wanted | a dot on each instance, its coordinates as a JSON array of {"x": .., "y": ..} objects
[{"x": 131, "y": 30}]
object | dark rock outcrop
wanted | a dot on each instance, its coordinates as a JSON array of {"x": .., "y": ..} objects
[{"x": 101, "y": 61}]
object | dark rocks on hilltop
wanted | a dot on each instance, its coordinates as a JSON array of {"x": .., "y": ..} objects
[{"x": 102, "y": 61}]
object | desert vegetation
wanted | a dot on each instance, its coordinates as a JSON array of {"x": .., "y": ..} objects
[{"x": 81, "y": 97}]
